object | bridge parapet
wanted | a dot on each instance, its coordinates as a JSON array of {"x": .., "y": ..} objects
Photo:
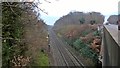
[{"x": 111, "y": 47}]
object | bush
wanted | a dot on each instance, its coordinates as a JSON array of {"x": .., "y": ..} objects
[
  {"x": 96, "y": 33},
  {"x": 85, "y": 51},
  {"x": 78, "y": 44},
  {"x": 92, "y": 22},
  {"x": 85, "y": 33},
  {"x": 82, "y": 21},
  {"x": 70, "y": 41},
  {"x": 12, "y": 30},
  {"x": 42, "y": 59}
]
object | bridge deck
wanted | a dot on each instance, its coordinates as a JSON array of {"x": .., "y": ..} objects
[{"x": 113, "y": 30}]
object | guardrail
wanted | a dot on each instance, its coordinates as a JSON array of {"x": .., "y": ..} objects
[{"x": 111, "y": 48}]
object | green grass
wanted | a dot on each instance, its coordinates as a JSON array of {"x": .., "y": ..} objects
[
  {"x": 43, "y": 59},
  {"x": 59, "y": 35}
]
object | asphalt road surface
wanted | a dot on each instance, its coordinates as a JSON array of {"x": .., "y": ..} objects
[{"x": 61, "y": 54}]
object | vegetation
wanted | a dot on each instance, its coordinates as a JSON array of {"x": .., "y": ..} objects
[
  {"x": 11, "y": 33},
  {"x": 84, "y": 33},
  {"x": 19, "y": 25},
  {"x": 84, "y": 50},
  {"x": 97, "y": 33},
  {"x": 78, "y": 44},
  {"x": 43, "y": 59},
  {"x": 79, "y": 18},
  {"x": 82, "y": 20},
  {"x": 92, "y": 22}
]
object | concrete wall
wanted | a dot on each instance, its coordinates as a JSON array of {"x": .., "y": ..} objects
[{"x": 111, "y": 56}]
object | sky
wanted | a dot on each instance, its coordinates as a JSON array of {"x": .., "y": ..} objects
[{"x": 58, "y": 8}]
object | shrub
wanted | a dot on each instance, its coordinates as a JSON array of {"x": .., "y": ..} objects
[
  {"x": 85, "y": 50},
  {"x": 96, "y": 33},
  {"x": 12, "y": 30},
  {"x": 92, "y": 22},
  {"x": 78, "y": 44},
  {"x": 82, "y": 21}
]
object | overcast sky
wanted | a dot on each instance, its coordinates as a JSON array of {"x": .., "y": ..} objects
[{"x": 58, "y": 8}]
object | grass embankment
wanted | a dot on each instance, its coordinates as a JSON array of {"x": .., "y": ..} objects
[{"x": 43, "y": 59}]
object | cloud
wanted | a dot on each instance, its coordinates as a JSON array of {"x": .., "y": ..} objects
[{"x": 62, "y": 7}]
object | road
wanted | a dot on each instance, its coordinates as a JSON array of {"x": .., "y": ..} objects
[{"x": 61, "y": 54}]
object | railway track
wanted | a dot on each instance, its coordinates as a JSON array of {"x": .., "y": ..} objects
[{"x": 66, "y": 55}]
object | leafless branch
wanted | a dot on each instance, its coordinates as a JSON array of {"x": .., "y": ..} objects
[
  {"x": 47, "y": 1},
  {"x": 39, "y": 8},
  {"x": 12, "y": 9}
]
